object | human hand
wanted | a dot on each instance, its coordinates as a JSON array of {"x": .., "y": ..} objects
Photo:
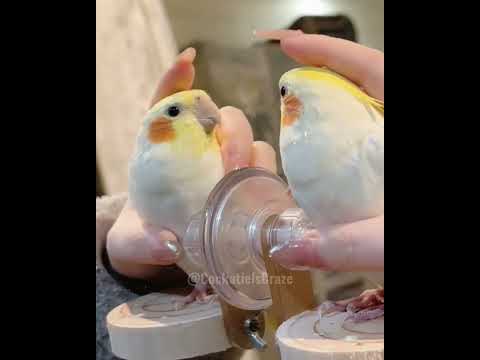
[
  {"x": 351, "y": 247},
  {"x": 134, "y": 254},
  {"x": 361, "y": 64}
]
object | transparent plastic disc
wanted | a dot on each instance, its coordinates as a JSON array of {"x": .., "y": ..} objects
[{"x": 234, "y": 216}]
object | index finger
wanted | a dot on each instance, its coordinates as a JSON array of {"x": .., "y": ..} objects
[
  {"x": 362, "y": 65},
  {"x": 357, "y": 246},
  {"x": 178, "y": 78}
]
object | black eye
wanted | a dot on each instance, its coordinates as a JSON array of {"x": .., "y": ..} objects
[
  {"x": 173, "y": 111},
  {"x": 283, "y": 91}
]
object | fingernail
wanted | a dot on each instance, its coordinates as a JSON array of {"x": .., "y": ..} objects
[
  {"x": 234, "y": 161},
  {"x": 237, "y": 166},
  {"x": 167, "y": 251},
  {"x": 276, "y": 34},
  {"x": 187, "y": 55},
  {"x": 294, "y": 241},
  {"x": 287, "y": 256},
  {"x": 173, "y": 247}
]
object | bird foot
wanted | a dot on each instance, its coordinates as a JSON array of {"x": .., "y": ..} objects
[
  {"x": 366, "y": 314},
  {"x": 199, "y": 294},
  {"x": 367, "y": 306}
]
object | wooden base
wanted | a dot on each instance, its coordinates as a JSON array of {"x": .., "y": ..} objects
[
  {"x": 150, "y": 328},
  {"x": 305, "y": 337}
]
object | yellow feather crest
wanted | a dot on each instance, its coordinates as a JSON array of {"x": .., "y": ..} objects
[{"x": 325, "y": 74}]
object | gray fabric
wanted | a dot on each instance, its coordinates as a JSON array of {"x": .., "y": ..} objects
[{"x": 109, "y": 295}]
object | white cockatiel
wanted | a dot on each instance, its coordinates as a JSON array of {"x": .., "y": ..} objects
[
  {"x": 176, "y": 164},
  {"x": 332, "y": 149}
]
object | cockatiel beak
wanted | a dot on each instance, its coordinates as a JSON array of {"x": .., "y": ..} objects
[{"x": 207, "y": 113}]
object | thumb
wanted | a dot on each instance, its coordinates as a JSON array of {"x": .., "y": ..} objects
[
  {"x": 129, "y": 242},
  {"x": 137, "y": 251},
  {"x": 357, "y": 246},
  {"x": 236, "y": 138}
]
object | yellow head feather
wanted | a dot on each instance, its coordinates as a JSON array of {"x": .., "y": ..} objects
[
  {"x": 186, "y": 98},
  {"x": 188, "y": 138},
  {"x": 326, "y": 75},
  {"x": 192, "y": 140}
]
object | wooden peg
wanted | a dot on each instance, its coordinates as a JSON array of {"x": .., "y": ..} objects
[
  {"x": 236, "y": 322},
  {"x": 291, "y": 291}
]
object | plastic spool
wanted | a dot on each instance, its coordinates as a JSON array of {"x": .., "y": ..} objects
[
  {"x": 150, "y": 328},
  {"x": 237, "y": 207},
  {"x": 306, "y": 337}
]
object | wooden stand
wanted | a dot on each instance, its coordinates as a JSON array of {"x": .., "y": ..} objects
[
  {"x": 150, "y": 328},
  {"x": 306, "y": 337}
]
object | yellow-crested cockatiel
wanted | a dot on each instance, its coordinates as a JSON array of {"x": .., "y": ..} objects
[
  {"x": 176, "y": 163},
  {"x": 332, "y": 149}
]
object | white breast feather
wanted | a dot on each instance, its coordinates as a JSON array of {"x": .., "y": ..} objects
[
  {"x": 335, "y": 167},
  {"x": 168, "y": 191}
]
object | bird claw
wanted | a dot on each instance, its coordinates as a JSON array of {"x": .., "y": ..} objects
[
  {"x": 330, "y": 307},
  {"x": 368, "y": 306},
  {"x": 367, "y": 314},
  {"x": 199, "y": 294}
]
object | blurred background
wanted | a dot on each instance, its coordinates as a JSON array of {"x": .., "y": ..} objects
[{"x": 138, "y": 39}]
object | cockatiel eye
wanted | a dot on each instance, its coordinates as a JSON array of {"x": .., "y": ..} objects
[
  {"x": 173, "y": 111},
  {"x": 283, "y": 91}
]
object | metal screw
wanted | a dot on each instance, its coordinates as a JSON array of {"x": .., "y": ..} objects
[{"x": 252, "y": 326}]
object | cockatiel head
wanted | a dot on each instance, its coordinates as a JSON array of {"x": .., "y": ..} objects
[
  {"x": 331, "y": 142},
  {"x": 183, "y": 123},
  {"x": 304, "y": 88}
]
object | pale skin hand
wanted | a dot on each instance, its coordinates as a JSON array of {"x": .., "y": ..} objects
[
  {"x": 357, "y": 246},
  {"x": 130, "y": 251}
]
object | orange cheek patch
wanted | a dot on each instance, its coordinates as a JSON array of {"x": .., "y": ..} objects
[
  {"x": 161, "y": 131},
  {"x": 289, "y": 118},
  {"x": 291, "y": 110}
]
